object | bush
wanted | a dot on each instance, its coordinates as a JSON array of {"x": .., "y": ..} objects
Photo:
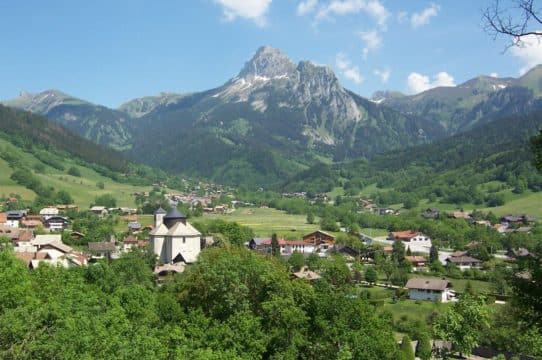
[{"x": 73, "y": 171}]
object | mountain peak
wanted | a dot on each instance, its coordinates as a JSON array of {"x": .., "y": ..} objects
[{"x": 268, "y": 62}]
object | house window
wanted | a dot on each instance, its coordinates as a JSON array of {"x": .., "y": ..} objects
[{"x": 184, "y": 240}]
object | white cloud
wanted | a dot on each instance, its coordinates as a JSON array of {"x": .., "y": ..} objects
[
  {"x": 347, "y": 7},
  {"x": 384, "y": 75},
  {"x": 253, "y": 10},
  {"x": 372, "y": 41},
  {"x": 494, "y": 74},
  {"x": 347, "y": 70},
  {"x": 423, "y": 17},
  {"x": 306, "y": 7},
  {"x": 418, "y": 82},
  {"x": 402, "y": 16},
  {"x": 529, "y": 52}
]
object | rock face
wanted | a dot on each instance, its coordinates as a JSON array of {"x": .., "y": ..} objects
[{"x": 295, "y": 112}]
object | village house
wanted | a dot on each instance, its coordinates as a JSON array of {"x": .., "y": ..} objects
[
  {"x": 48, "y": 249},
  {"x": 30, "y": 224},
  {"x": 517, "y": 219},
  {"x": 3, "y": 218},
  {"x": 99, "y": 210},
  {"x": 173, "y": 238},
  {"x": 102, "y": 250},
  {"x": 319, "y": 237},
  {"x": 49, "y": 211},
  {"x": 131, "y": 242},
  {"x": 417, "y": 262},
  {"x": 56, "y": 223},
  {"x": 16, "y": 236},
  {"x": 429, "y": 289},
  {"x": 288, "y": 247},
  {"x": 416, "y": 241},
  {"x": 14, "y": 217},
  {"x": 463, "y": 261}
]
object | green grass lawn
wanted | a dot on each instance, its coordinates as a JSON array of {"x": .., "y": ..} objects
[
  {"x": 265, "y": 222},
  {"x": 413, "y": 310},
  {"x": 82, "y": 189}
]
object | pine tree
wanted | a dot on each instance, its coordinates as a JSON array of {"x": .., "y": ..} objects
[
  {"x": 433, "y": 253},
  {"x": 275, "y": 247}
]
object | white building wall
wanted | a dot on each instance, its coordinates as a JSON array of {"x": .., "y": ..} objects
[
  {"x": 189, "y": 246},
  {"x": 431, "y": 295},
  {"x": 12, "y": 223},
  {"x": 158, "y": 247}
]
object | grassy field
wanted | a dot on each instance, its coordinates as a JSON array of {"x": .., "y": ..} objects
[
  {"x": 82, "y": 189},
  {"x": 265, "y": 222}
]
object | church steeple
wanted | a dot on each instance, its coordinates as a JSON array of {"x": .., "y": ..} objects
[{"x": 159, "y": 216}]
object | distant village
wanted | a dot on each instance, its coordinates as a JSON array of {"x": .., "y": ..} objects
[{"x": 38, "y": 238}]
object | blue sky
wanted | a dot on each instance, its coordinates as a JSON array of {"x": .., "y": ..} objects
[{"x": 109, "y": 52}]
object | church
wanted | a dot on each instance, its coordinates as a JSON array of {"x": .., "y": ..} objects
[{"x": 173, "y": 239}]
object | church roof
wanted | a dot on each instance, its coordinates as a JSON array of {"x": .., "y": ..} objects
[
  {"x": 181, "y": 229},
  {"x": 174, "y": 214},
  {"x": 159, "y": 211},
  {"x": 159, "y": 231}
]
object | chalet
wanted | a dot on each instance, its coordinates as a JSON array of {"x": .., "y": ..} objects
[
  {"x": 288, "y": 247},
  {"x": 319, "y": 237},
  {"x": 14, "y": 217},
  {"x": 99, "y": 210},
  {"x": 256, "y": 244},
  {"x": 464, "y": 262},
  {"x": 417, "y": 262},
  {"x": 416, "y": 241},
  {"x": 518, "y": 253},
  {"x": 55, "y": 223},
  {"x": 517, "y": 219},
  {"x": 104, "y": 249},
  {"x": 131, "y": 242},
  {"x": 15, "y": 235},
  {"x": 49, "y": 211},
  {"x": 429, "y": 289},
  {"x": 30, "y": 224}
]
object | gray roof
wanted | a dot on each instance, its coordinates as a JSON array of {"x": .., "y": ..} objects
[
  {"x": 160, "y": 211},
  {"x": 462, "y": 259},
  {"x": 427, "y": 284},
  {"x": 174, "y": 214},
  {"x": 101, "y": 246}
]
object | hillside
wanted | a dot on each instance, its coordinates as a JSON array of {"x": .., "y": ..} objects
[
  {"x": 484, "y": 167},
  {"x": 472, "y": 103},
  {"x": 98, "y": 123},
  {"x": 55, "y": 159}
]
